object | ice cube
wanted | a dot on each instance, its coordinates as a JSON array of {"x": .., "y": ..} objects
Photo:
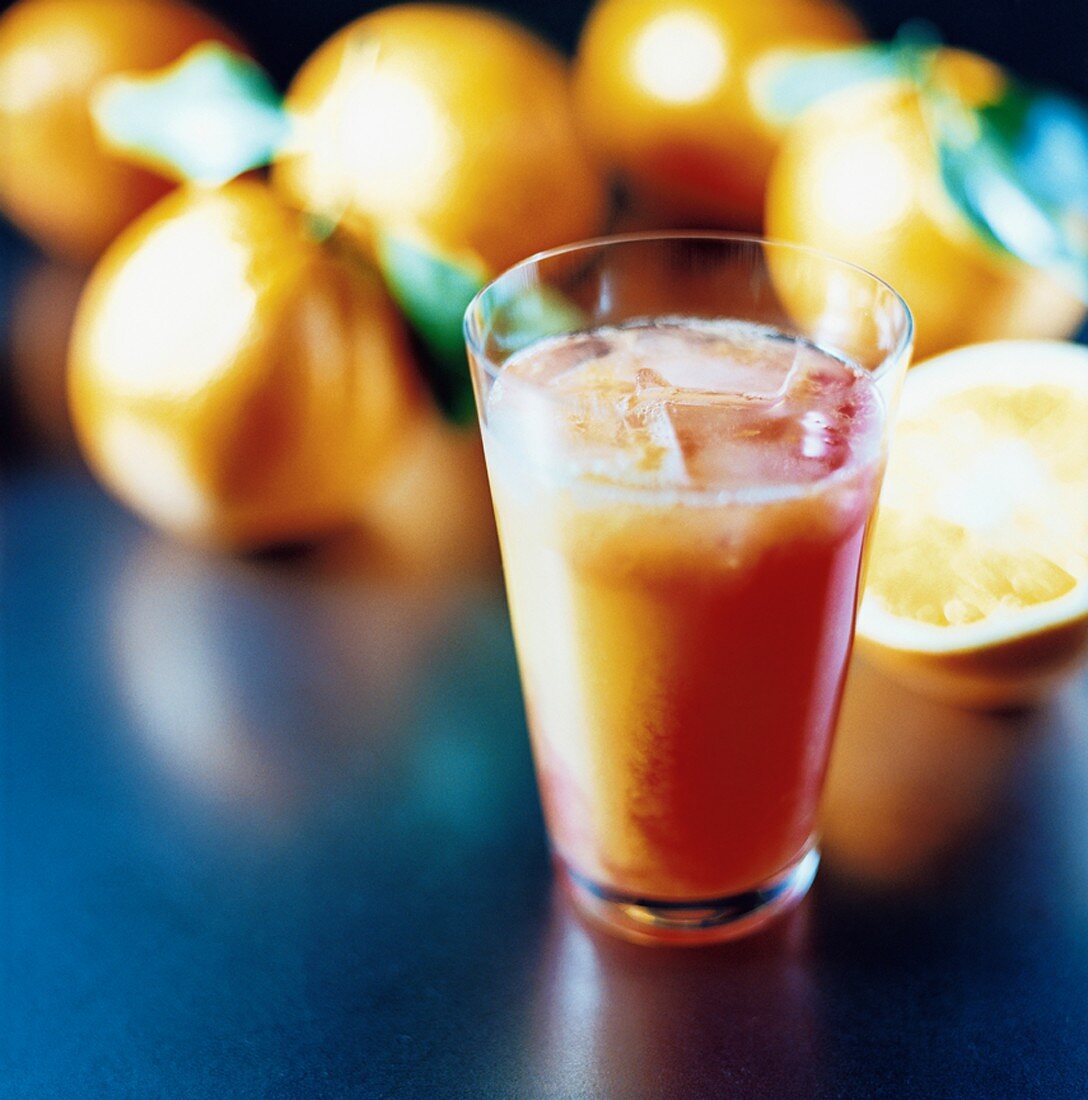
[
  {"x": 561, "y": 362},
  {"x": 814, "y": 434},
  {"x": 820, "y": 438},
  {"x": 651, "y": 433},
  {"x": 812, "y": 374},
  {"x": 648, "y": 379},
  {"x": 718, "y": 439},
  {"x": 706, "y": 405},
  {"x": 709, "y": 362}
]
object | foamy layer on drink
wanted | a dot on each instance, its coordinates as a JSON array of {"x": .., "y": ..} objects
[
  {"x": 678, "y": 451},
  {"x": 700, "y": 409}
]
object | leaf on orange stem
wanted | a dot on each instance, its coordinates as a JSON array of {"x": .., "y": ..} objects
[
  {"x": 434, "y": 291},
  {"x": 1018, "y": 170},
  {"x": 207, "y": 118}
]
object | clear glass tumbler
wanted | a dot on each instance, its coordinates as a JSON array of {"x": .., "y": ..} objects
[{"x": 685, "y": 436}]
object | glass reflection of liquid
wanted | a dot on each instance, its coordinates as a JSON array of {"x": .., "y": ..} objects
[
  {"x": 913, "y": 782},
  {"x": 616, "y": 1019},
  {"x": 256, "y": 685}
]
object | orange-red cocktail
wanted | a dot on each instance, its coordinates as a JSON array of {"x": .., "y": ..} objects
[{"x": 682, "y": 505}]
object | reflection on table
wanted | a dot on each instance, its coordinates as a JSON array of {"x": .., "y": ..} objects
[{"x": 914, "y": 783}]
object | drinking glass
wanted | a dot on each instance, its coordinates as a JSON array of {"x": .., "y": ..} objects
[{"x": 685, "y": 435}]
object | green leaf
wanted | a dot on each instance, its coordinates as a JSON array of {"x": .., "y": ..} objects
[
  {"x": 208, "y": 118},
  {"x": 1018, "y": 170},
  {"x": 532, "y": 314},
  {"x": 799, "y": 79},
  {"x": 1053, "y": 149},
  {"x": 434, "y": 293}
]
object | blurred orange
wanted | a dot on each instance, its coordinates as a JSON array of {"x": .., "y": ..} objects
[
  {"x": 56, "y": 181},
  {"x": 42, "y": 311},
  {"x": 668, "y": 93},
  {"x": 442, "y": 122},
  {"x": 858, "y": 176},
  {"x": 232, "y": 379},
  {"x": 432, "y": 515}
]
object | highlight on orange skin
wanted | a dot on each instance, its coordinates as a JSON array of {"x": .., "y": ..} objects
[
  {"x": 448, "y": 123},
  {"x": 232, "y": 379},
  {"x": 668, "y": 96}
]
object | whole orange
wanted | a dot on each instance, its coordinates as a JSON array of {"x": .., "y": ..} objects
[
  {"x": 233, "y": 380},
  {"x": 858, "y": 176},
  {"x": 57, "y": 182},
  {"x": 668, "y": 92},
  {"x": 432, "y": 515},
  {"x": 446, "y": 123}
]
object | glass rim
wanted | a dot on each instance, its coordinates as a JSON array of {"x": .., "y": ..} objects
[{"x": 474, "y": 339}]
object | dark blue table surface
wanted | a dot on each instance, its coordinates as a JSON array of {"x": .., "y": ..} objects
[{"x": 270, "y": 829}]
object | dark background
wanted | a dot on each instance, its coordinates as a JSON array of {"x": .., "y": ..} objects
[{"x": 1044, "y": 40}]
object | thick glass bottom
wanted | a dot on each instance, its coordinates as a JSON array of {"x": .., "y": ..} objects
[{"x": 713, "y": 920}]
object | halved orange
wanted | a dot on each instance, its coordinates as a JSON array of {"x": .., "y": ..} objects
[{"x": 977, "y": 587}]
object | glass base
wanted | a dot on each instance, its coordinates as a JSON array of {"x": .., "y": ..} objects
[{"x": 714, "y": 920}]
